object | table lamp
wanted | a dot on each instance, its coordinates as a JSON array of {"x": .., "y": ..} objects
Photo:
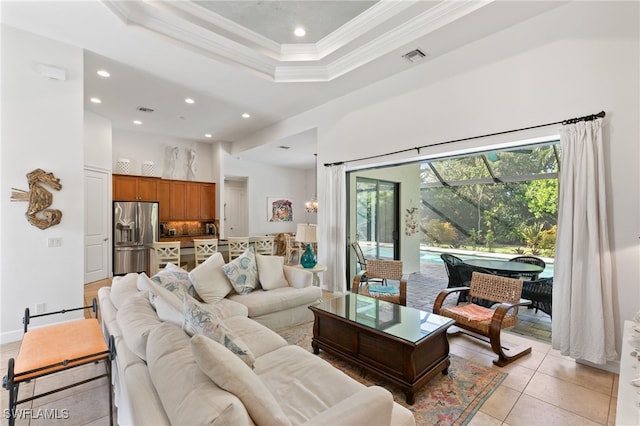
[{"x": 307, "y": 234}]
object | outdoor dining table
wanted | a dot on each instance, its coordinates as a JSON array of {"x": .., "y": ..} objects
[{"x": 504, "y": 267}]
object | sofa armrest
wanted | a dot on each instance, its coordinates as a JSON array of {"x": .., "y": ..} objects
[
  {"x": 371, "y": 406},
  {"x": 297, "y": 277}
]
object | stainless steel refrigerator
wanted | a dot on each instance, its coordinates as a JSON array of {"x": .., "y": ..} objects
[{"x": 135, "y": 229}]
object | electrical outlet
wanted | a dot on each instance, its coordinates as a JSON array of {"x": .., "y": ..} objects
[
  {"x": 54, "y": 242},
  {"x": 39, "y": 308}
]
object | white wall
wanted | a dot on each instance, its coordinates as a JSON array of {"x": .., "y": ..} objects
[
  {"x": 42, "y": 127},
  {"x": 269, "y": 181},
  {"x": 577, "y": 59},
  {"x": 139, "y": 147},
  {"x": 97, "y": 142}
]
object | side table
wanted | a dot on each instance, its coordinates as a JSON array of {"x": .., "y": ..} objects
[{"x": 314, "y": 271}]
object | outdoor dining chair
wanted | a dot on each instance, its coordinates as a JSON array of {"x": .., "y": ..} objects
[{"x": 533, "y": 260}]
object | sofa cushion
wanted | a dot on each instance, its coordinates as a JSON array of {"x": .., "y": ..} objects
[
  {"x": 228, "y": 372},
  {"x": 270, "y": 271},
  {"x": 123, "y": 288},
  {"x": 198, "y": 320},
  {"x": 262, "y": 302},
  {"x": 209, "y": 279},
  {"x": 189, "y": 396},
  {"x": 176, "y": 280},
  {"x": 227, "y": 308},
  {"x": 317, "y": 384},
  {"x": 242, "y": 272},
  {"x": 258, "y": 338},
  {"x": 136, "y": 320}
]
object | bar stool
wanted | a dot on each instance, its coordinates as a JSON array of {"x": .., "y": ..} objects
[
  {"x": 237, "y": 246},
  {"x": 264, "y": 245},
  {"x": 204, "y": 248},
  {"x": 166, "y": 252}
]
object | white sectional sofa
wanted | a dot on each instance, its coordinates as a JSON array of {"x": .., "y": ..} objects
[{"x": 164, "y": 376}]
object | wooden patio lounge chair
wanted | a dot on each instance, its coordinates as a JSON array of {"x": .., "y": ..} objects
[
  {"x": 485, "y": 321},
  {"x": 382, "y": 269}
]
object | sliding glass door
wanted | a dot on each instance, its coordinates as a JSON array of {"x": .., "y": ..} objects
[{"x": 377, "y": 218}]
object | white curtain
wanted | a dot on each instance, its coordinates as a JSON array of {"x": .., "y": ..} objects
[
  {"x": 332, "y": 228},
  {"x": 583, "y": 326}
]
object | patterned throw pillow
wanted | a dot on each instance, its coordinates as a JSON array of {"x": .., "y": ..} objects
[
  {"x": 243, "y": 272},
  {"x": 198, "y": 320},
  {"x": 176, "y": 280}
]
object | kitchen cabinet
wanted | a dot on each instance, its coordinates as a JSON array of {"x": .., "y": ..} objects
[
  {"x": 135, "y": 188},
  {"x": 164, "y": 197},
  {"x": 186, "y": 200},
  {"x": 201, "y": 201}
]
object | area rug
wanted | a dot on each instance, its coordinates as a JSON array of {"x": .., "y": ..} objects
[{"x": 446, "y": 400}]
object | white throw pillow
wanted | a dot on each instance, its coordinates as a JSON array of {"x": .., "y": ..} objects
[
  {"x": 166, "y": 311},
  {"x": 198, "y": 320},
  {"x": 209, "y": 279},
  {"x": 270, "y": 271},
  {"x": 243, "y": 272},
  {"x": 232, "y": 375},
  {"x": 123, "y": 289}
]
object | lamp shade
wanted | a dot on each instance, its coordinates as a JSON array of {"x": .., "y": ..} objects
[{"x": 306, "y": 233}]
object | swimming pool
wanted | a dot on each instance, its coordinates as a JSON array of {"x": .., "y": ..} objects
[{"x": 433, "y": 256}]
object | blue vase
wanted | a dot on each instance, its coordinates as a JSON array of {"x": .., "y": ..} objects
[{"x": 308, "y": 259}]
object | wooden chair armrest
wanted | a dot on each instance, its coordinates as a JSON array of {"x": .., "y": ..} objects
[
  {"x": 403, "y": 289},
  {"x": 355, "y": 287},
  {"x": 437, "y": 305}
]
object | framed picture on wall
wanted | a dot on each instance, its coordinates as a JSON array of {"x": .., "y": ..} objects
[{"x": 279, "y": 209}]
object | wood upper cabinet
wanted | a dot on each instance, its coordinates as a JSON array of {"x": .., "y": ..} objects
[
  {"x": 185, "y": 200},
  {"x": 135, "y": 188},
  {"x": 201, "y": 201},
  {"x": 164, "y": 197}
]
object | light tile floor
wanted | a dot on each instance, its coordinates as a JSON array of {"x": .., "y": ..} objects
[{"x": 543, "y": 388}]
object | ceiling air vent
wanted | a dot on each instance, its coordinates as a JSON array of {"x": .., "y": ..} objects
[
  {"x": 414, "y": 55},
  {"x": 144, "y": 109}
]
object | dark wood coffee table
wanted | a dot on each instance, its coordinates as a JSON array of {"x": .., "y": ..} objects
[{"x": 403, "y": 345}]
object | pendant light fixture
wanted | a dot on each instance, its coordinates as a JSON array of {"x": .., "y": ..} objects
[{"x": 311, "y": 206}]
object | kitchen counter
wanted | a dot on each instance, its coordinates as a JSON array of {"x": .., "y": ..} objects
[{"x": 186, "y": 241}]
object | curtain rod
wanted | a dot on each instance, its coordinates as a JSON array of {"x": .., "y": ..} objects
[{"x": 591, "y": 117}]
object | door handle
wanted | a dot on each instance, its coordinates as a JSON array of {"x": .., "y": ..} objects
[{"x": 105, "y": 239}]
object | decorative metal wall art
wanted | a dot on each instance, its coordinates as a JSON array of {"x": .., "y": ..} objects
[
  {"x": 411, "y": 221},
  {"x": 40, "y": 199}
]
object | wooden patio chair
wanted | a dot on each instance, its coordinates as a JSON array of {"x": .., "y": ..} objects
[
  {"x": 484, "y": 321},
  {"x": 382, "y": 269}
]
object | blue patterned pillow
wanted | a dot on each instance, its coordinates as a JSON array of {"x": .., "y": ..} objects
[
  {"x": 243, "y": 272},
  {"x": 199, "y": 320},
  {"x": 176, "y": 280}
]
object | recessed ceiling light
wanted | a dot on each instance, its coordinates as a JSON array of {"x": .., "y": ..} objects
[
  {"x": 207, "y": 135},
  {"x": 189, "y": 101},
  {"x": 138, "y": 122},
  {"x": 96, "y": 100},
  {"x": 246, "y": 115},
  {"x": 103, "y": 73},
  {"x": 299, "y": 32}
]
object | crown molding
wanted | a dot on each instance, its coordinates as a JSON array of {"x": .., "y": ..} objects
[{"x": 215, "y": 36}]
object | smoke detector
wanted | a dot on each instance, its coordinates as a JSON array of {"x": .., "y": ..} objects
[{"x": 414, "y": 56}]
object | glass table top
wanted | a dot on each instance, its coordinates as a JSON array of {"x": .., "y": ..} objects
[{"x": 400, "y": 321}]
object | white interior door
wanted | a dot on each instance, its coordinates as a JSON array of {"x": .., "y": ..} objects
[
  {"x": 96, "y": 225},
  {"x": 235, "y": 208}
]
